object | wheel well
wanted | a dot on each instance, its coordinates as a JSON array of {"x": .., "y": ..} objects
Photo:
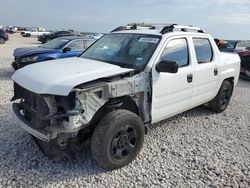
[
  {"x": 129, "y": 104},
  {"x": 126, "y": 103},
  {"x": 231, "y": 80}
]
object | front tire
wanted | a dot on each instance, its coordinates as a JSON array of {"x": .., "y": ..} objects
[
  {"x": 117, "y": 139},
  {"x": 222, "y": 99}
]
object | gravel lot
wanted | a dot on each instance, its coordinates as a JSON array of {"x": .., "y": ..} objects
[{"x": 194, "y": 149}]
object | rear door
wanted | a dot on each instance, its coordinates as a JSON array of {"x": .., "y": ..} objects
[
  {"x": 171, "y": 93},
  {"x": 205, "y": 72}
]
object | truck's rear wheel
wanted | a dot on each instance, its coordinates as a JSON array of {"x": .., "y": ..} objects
[
  {"x": 222, "y": 99},
  {"x": 117, "y": 139}
]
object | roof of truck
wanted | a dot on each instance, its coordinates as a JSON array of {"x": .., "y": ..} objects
[{"x": 172, "y": 29}]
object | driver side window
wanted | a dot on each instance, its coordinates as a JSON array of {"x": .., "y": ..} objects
[{"x": 176, "y": 50}]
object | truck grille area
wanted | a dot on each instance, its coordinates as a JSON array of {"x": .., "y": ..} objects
[{"x": 33, "y": 106}]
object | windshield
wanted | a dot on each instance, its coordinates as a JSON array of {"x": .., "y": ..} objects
[
  {"x": 55, "y": 44},
  {"x": 125, "y": 50}
]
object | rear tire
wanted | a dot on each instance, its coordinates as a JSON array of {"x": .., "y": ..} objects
[
  {"x": 117, "y": 139},
  {"x": 222, "y": 99}
]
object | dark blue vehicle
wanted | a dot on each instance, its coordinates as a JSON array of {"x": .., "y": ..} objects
[
  {"x": 57, "y": 48},
  {"x": 3, "y": 36}
]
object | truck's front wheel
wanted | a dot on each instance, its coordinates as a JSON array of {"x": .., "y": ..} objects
[
  {"x": 117, "y": 139},
  {"x": 222, "y": 99}
]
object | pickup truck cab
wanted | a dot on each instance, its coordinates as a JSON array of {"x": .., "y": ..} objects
[{"x": 124, "y": 82}]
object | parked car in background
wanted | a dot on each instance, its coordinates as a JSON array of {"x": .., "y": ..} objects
[
  {"x": 47, "y": 37},
  {"x": 33, "y": 33},
  {"x": 243, "y": 49},
  {"x": 11, "y": 29},
  {"x": 228, "y": 46},
  {"x": 3, "y": 36},
  {"x": 95, "y": 35},
  {"x": 57, "y": 48},
  {"x": 242, "y": 46}
]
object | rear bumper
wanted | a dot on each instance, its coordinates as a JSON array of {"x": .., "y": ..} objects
[{"x": 25, "y": 124}]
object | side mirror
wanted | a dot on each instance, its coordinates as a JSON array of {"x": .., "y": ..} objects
[
  {"x": 167, "y": 66},
  {"x": 67, "y": 49}
]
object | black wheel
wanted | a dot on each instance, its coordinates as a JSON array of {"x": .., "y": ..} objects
[
  {"x": 117, "y": 139},
  {"x": 222, "y": 99},
  {"x": 2, "y": 41}
]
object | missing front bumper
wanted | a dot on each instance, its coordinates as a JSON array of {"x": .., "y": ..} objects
[{"x": 25, "y": 124}]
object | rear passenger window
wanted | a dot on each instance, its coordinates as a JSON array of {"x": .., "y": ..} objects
[
  {"x": 203, "y": 50},
  {"x": 176, "y": 50}
]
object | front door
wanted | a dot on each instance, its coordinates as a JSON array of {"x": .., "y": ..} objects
[{"x": 172, "y": 92}]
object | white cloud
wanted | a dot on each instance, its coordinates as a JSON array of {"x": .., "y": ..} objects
[{"x": 235, "y": 18}]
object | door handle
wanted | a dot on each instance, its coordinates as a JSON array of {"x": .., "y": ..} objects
[
  {"x": 215, "y": 71},
  {"x": 189, "y": 78}
]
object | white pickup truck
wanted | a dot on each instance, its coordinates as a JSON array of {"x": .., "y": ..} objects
[
  {"x": 34, "y": 33},
  {"x": 118, "y": 86}
]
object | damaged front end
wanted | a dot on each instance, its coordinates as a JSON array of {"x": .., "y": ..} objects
[
  {"x": 58, "y": 119},
  {"x": 46, "y": 117}
]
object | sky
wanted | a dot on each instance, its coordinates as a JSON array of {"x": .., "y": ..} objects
[{"x": 226, "y": 19}]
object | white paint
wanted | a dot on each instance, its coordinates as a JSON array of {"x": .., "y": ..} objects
[{"x": 59, "y": 77}]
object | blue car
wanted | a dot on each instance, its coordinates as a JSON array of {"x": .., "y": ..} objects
[{"x": 57, "y": 48}]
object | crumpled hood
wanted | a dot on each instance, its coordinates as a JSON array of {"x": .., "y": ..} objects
[
  {"x": 59, "y": 77},
  {"x": 22, "y": 52}
]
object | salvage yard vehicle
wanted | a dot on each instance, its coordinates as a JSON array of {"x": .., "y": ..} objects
[
  {"x": 243, "y": 49},
  {"x": 33, "y": 33},
  {"x": 3, "y": 36},
  {"x": 124, "y": 82},
  {"x": 57, "y": 48},
  {"x": 47, "y": 37}
]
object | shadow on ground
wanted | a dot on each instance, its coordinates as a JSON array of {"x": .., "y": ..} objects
[{"x": 6, "y": 73}]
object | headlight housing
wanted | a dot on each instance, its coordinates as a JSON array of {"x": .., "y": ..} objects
[{"x": 29, "y": 59}]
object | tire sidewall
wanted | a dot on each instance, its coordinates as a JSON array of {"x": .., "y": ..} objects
[
  {"x": 107, "y": 130},
  {"x": 111, "y": 134},
  {"x": 225, "y": 85}
]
